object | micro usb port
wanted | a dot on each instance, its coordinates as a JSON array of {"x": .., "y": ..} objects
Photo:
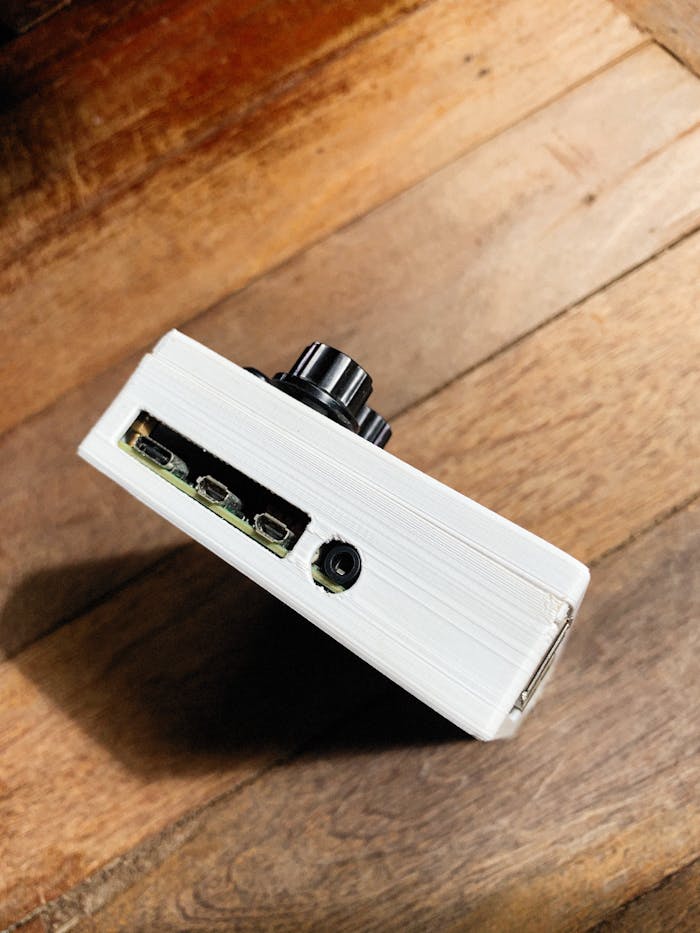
[{"x": 216, "y": 485}]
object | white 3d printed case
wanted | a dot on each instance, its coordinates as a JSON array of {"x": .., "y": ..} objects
[{"x": 456, "y": 604}]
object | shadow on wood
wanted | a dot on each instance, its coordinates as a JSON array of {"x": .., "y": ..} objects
[
  {"x": 195, "y": 667},
  {"x": 44, "y": 600},
  {"x": 591, "y": 803}
]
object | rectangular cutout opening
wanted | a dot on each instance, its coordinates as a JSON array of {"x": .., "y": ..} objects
[{"x": 258, "y": 512}]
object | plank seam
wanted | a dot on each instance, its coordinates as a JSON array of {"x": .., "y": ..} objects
[
  {"x": 186, "y": 824},
  {"x": 49, "y": 231},
  {"x": 470, "y": 150},
  {"x": 103, "y": 598},
  {"x": 568, "y": 309},
  {"x": 640, "y": 533},
  {"x": 670, "y": 51},
  {"x": 620, "y": 911}
]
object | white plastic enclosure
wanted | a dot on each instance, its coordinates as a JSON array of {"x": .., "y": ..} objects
[{"x": 456, "y": 604}]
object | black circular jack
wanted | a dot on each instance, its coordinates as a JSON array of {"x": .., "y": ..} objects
[{"x": 340, "y": 563}]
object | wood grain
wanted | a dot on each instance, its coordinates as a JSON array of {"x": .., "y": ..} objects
[
  {"x": 390, "y": 824},
  {"x": 31, "y": 61},
  {"x": 419, "y": 291},
  {"x": 190, "y": 681},
  {"x": 605, "y": 401},
  {"x": 20, "y": 15},
  {"x": 674, "y": 904},
  {"x": 172, "y": 161},
  {"x": 149, "y": 85},
  {"x": 673, "y": 23},
  {"x": 492, "y": 245},
  {"x": 224, "y": 204},
  {"x": 178, "y": 689}
]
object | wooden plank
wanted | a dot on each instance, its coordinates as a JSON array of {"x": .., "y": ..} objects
[
  {"x": 151, "y": 246},
  {"x": 166, "y": 695},
  {"x": 393, "y": 823},
  {"x": 33, "y": 61},
  {"x": 673, "y": 23},
  {"x": 495, "y": 243},
  {"x": 674, "y": 904},
  {"x": 146, "y": 708},
  {"x": 147, "y": 84},
  {"x": 452, "y": 245},
  {"x": 20, "y": 15},
  {"x": 618, "y": 442}
]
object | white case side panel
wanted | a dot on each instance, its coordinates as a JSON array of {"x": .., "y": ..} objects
[
  {"x": 537, "y": 559},
  {"x": 447, "y": 604}
]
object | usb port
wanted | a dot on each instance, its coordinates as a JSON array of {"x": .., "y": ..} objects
[
  {"x": 259, "y": 513},
  {"x": 160, "y": 455},
  {"x": 216, "y": 493},
  {"x": 271, "y": 528}
]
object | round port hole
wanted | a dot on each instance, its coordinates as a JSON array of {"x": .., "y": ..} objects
[{"x": 340, "y": 563}]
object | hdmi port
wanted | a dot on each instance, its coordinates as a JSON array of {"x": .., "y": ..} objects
[
  {"x": 271, "y": 528},
  {"x": 160, "y": 455},
  {"x": 266, "y": 518},
  {"x": 217, "y": 494}
]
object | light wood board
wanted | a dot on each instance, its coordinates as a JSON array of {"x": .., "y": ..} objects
[{"x": 86, "y": 246}]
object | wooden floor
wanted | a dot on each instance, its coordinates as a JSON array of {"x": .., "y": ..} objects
[{"x": 495, "y": 207}]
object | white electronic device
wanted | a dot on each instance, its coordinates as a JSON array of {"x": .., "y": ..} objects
[{"x": 288, "y": 481}]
